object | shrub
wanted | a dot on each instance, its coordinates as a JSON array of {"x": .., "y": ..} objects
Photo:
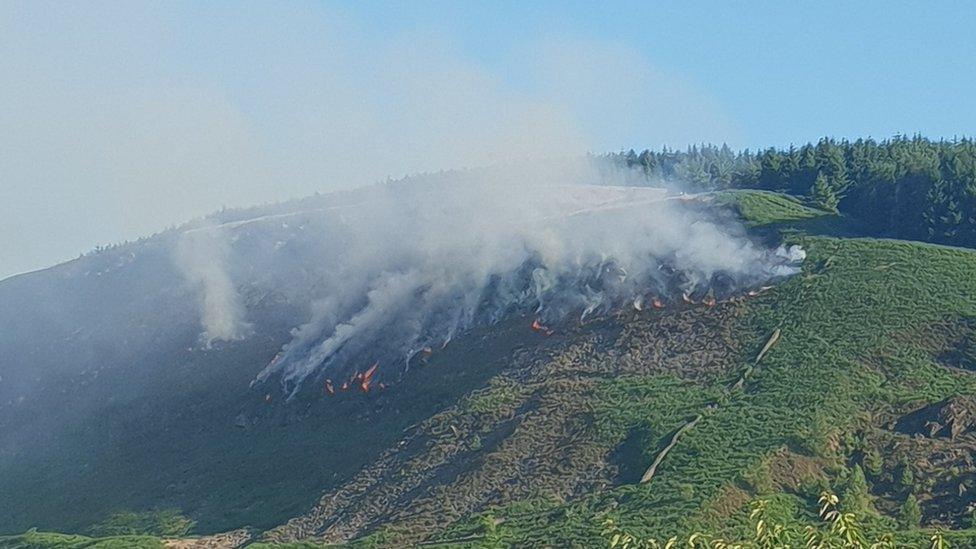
[
  {"x": 911, "y": 513},
  {"x": 164, "y": 523}
]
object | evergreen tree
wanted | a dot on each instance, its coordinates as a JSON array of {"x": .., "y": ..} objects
[
  {"x": 647, "y": 162},
  {"x": 911, "y": 513},
  {"x": 823, "y": 195},
  {"x": 856, "y": 497},
  {"x": 770, "y": 170},
  {"x": 906, "y": 479},
  {"x": 902, "y": 187}
]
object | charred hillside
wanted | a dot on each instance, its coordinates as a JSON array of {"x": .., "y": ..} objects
[
  {"x": 542, "y": 427},
  {"x": 663, "y": 419},
  {"x": 138, "y": 377}
]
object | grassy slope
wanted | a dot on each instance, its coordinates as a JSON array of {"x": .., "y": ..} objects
[
  {"x": 856, "y": 300},
  {"x": 766, "y": 207}
]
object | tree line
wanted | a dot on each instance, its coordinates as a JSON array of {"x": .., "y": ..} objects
[{"x": 903, "y": 187}]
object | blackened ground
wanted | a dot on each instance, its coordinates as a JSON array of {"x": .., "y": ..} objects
[
  {"x": 152, "y": 419},
  {"x": 529, "y": 432}
]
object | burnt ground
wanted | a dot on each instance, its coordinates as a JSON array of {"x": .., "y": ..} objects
[{"x": 528, "y": 433}]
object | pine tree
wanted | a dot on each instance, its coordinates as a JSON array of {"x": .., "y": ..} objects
[
  {"x": 911, "y": 513},
  {"x": 770, "y": 169},
  {"x": 823, "y": 195},
  {"x": 647, "y": 162},
  {"x": 856, "y": 497},
  {"x": 906, "y": 479},
  {"x": 874, "y": 463},
  {"x": 904, "y": 187}
]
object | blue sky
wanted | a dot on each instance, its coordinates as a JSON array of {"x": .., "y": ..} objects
[
  {"x": 120, "y": 119},
  {"x": 783, "y": 71}
]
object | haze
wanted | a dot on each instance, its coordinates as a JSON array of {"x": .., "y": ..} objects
[{"x": 121, "y": 119}]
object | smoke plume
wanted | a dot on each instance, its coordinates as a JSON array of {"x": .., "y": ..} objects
[
  {"x": 396, "y": 270},
  {"x": 201, "y": 255}
]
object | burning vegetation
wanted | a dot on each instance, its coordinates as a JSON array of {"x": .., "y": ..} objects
[{"x": 395, "y": 271}]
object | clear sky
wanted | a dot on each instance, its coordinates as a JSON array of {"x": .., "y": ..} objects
[{"x": 118, "y": 120}]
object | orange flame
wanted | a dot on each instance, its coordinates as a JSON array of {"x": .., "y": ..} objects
[
  {"x": 539, "y": 327},
  {"x": 369, "y": 373}
]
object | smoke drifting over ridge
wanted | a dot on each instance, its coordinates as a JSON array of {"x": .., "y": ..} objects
[
  {"x": 387, "y": 271},
  {"x": 402, "y": 268},
  {"x": 133, "y": 117}
]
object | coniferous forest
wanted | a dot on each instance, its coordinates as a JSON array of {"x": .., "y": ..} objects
[{"x": 903, "y": 187}]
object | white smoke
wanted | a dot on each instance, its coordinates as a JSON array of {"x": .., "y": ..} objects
[
  {"x": 200, "y": 255},
  {"x": 408, "y": 266}
]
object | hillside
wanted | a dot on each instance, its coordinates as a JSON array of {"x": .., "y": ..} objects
[
  {"x": 872, "y": 332},
  {"x": 110, "y": 401},
  {"x": 507, "y": 435}
]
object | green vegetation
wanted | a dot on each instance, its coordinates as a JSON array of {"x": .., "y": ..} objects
[
  {"x": 904, "y": 187},
  {"x": 856, "y": 497},
  {"x": 121, "y": 530},
  {"x": 857, "y": 351},
  {"x": 47, "y": 540},
  {"x": 837, "y": 530},
  {"x": 911, "y": 513},
  {"x": 762, "y": 208},
  {"x": 164, "y": 523}
]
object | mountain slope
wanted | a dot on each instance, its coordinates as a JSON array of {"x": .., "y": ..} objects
[
  {"x": 563, "y": 438},
  {"x": 509, "y": 435},
  {"x": 110, "y": 400},
  {"x": 542, "y": 428}
]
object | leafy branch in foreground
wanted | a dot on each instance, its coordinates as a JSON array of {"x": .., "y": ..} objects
[{"x": 837, "y": 530}]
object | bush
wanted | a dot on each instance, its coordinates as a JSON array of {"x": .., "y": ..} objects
[
  {"x": 857, "y": 498},
  {"x": 911, "y": 513},
  {"x": 164, "y": 523},
  {"x": 836, "y": 530}
]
